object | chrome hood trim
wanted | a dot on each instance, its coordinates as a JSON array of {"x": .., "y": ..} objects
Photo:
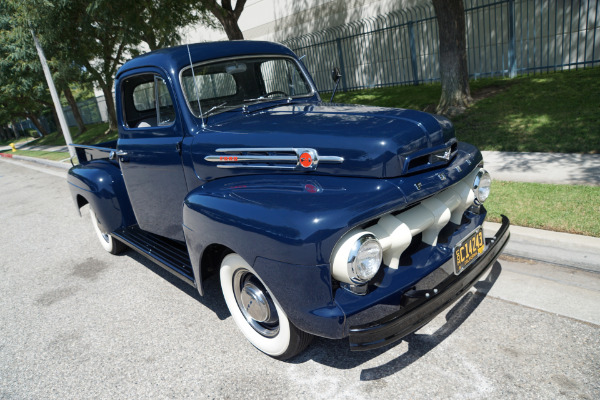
[{"x": 285, "y": 158}]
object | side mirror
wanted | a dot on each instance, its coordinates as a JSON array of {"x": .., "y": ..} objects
[{"x": 335, "y": 75}]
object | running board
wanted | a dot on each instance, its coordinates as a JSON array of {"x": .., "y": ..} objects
[{"x": 169, "y": 254}]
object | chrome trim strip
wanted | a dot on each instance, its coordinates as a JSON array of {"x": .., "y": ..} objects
[
  {"x": 257, "y": 166},
  {"x": 265, "y": 159},
  {"x": 331, "y": 159},
  {"x": 235, "y": 156},
  {"x": 258, "y": 150},
  {"x": 84, "y": 146}
]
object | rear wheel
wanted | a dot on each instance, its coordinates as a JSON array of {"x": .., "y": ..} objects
[
  {"x": 108, "y": 242},
  {"x": 257, "y": 313}
]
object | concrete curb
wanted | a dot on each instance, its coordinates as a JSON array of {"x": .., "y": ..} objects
[
  {"x": 565, "y": 249},
  {"x": 49, "y": 163}
]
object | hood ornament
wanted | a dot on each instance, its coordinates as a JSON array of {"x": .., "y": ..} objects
[{"x": 444, "y": 156}]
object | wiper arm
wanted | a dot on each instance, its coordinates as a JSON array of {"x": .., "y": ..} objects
[
  {"x": 257, "y": 99},
  {"x": 214, "y": 108}
]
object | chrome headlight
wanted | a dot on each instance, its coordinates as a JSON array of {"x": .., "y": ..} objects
[
  {"x": 364, "y": 259},
  {"x": 481, "y": 186},
  {"x": 357, "y": 258}
]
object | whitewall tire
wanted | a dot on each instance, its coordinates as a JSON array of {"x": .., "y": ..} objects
[
  {"x": 107, "y": 241},
  {"x": 257, "y": 313}
]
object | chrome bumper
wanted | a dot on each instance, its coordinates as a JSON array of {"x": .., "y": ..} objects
[{"x": 419, "y": 312}]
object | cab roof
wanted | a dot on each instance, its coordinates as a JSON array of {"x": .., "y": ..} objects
[{"x": 172, "y": 59}]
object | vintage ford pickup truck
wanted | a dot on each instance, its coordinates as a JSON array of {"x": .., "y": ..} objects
[{"x": 321, "y": 219}]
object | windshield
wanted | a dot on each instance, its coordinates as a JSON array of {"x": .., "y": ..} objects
[{"x": 225, "y": 85}]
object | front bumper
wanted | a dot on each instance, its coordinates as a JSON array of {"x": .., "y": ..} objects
[{"x": 420, "y": 311}]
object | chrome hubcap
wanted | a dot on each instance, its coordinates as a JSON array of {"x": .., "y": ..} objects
[{"x": 255, "y": 303}]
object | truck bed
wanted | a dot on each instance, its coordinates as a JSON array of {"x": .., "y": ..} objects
[{"x": 100, "y": 151}]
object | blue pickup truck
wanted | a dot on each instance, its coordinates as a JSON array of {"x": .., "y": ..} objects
[{"x": 324, "y": 219}]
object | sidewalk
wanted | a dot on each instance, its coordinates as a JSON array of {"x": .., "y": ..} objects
[
  {"x": 43, "y": 148},
  {"x": 25, "y": 146},
  {"x": 557, "y": 168}
]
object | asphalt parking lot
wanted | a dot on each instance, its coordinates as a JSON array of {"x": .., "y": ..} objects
[{"x": 76, "y": 322}]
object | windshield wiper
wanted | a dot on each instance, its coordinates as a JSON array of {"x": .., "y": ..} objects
[
  {"x": 257, "y": 99},
  {"x": 214, "y": 108}
]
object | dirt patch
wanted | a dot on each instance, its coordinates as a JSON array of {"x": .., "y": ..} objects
[{"x": 489, "y": 91}]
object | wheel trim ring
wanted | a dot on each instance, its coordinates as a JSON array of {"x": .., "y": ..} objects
[
  {"x": 238, "y": 282},
  {"x": 104, "y": 236}
]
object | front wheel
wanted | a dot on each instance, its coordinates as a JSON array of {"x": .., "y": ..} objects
[
  {"x": 108, "y": 242},
  {"x": 257, "y": 313}
]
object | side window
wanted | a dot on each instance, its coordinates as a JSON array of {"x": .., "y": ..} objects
[{"x": 147, "y": 102}]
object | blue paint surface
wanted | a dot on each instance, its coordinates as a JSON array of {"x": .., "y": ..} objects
[{"x": 285, "y": 223}]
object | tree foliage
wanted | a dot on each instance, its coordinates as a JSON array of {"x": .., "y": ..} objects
[
  {"x": 23, "y": 93},
  {"x": 159, "y": 22},
  {"x": 95, "y": 37}
]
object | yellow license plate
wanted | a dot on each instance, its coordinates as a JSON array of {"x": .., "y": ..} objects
[{"x": 468, "y": 250}]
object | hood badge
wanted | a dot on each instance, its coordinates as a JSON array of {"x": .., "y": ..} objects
[
  {"x": 418, "y": 186},
  {"x": 444, "y": 156},
  {"x": 285, "y": 158}
]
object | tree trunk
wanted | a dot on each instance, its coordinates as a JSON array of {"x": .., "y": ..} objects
[
  {"x": 232, "y": 29},
  {"x": 228, "y": 16},
  {"x": 14, "y": 128},
  {"x": 74, "y": 108},
  {"x": 37, "y": 124},
  {"x": 110, "y": 107},
  {"x": 454, "y": 73},
  {"x": 56, "y": 121}
]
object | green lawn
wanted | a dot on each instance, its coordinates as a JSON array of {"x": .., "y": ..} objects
[
  {"x": 15, "y": 141},
  {"x": 563, "y": 208},
  {"x": 553, "y": 112},
  {"x": 48, "y": 155},
  {"x": 94, "y": 134}
]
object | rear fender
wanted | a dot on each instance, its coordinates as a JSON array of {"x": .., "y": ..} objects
[{"x": 100, "y": 183}]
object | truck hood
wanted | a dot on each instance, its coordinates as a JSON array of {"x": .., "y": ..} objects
[{"x": 347, "y": 140}]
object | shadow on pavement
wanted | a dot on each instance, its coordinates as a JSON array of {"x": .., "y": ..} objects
[
  {"x": 212, "y": 299},
  {"x": 337, "y": 354}
]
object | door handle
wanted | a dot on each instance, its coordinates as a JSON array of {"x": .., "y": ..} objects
[{"x": 122, "y": 155}]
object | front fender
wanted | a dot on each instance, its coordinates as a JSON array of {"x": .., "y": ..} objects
[
  {"x": 292, "y": 219},
  {"x": 286, "y": 228},
  {"x": 101, "y": 184}
]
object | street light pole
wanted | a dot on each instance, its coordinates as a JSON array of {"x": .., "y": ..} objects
[{"x": 55, "y": 99}]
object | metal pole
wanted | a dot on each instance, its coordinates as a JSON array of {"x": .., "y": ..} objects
[
  {"x": 342, "y": 66},
  {"x": 512, "y": 59},
  {"x": 413, "y": 52},
  {"x": 54, "y": 94}
]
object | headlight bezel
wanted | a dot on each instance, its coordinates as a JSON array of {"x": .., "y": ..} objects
[
  {"x": 363, "y": 243},
  {"x": 482, "y": 186}
]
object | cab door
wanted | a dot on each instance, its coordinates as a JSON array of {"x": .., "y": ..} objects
[{"x": 149, "y": 152}]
